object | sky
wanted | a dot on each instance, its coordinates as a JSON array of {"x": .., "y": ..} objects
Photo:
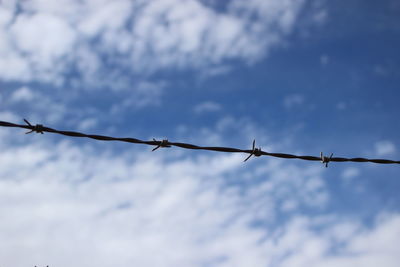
[{"x": 298, "y": 76}]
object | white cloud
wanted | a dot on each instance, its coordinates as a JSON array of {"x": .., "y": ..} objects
[
  {"x": 207, "y": 106},
  {"x": 23, "y": 94},
  {"x": 87, "y": 124},
  {"x": 8, "y": 116},
  {"x": 143, "y": 94},
  {"x": 44, "y": 36},
  {"x": 341, "y": 105},
  {"x": 37, "y": 106},
  {"x": 302, "y": 247},
  {"x": 381, "y": 70},
  {"x": 215, "y": 71},
  {"x": 384, "y": 147},
  {"x": 46, "y": 43},
  {"x": 372, "y": 247},
  {"x": 324, "y": 60},
  {"x": 293, "y": 100},
  {"x": 321, "y": 16},
  {"x": 53, "y": 106},
  {"x": 350, "y": 173},
  {"x": 43, "y": 41}
]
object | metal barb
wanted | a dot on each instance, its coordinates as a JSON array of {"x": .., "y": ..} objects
[
  {"x": 326, "y": 160},
  {"x": 38, "y": 128},
  {"x": 255, "y": 151},
  {"x": 163, "y": 143}
]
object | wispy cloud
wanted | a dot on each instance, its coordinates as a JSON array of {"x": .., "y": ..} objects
[
  {"x": 324, "y": 60},
  {"x": 87, "y": 124},
  {"x": 350, "y": 173},
  {"x": 384, "y": 147},
  {"x": 143, "y": 94},
  {"x": 28, "y": 103},
  {"x": 207, "y": 106},
  {"x": 293, "y": 100},
  {"x": 23, "y": 94}
]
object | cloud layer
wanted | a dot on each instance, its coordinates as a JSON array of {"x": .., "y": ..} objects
[
  {"x": 78, "y": 41},
  {"x": 68, "y": 204}
]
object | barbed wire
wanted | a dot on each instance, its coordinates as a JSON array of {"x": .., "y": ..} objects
[{"x": 257, "y": 152}]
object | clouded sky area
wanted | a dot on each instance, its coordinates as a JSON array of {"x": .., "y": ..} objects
[{"x": 299, "y": 76}]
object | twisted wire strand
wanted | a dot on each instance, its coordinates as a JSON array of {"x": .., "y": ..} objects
[{"x": 38, "y": 128}]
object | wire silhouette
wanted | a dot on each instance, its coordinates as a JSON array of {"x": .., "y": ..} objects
[{"x": 257, "y": 152}]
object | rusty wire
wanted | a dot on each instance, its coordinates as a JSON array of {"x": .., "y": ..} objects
[{"x": 257, "y": 152}]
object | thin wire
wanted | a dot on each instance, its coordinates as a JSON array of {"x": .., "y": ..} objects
[{"x": 38, "y": 128}]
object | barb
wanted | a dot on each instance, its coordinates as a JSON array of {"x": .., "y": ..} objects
[
  {"x": 38, "y": 128},
  {"x": 255, "y": 151},
  {"x": 163, "y": 143},
  {"x": 325, "y": 160}
]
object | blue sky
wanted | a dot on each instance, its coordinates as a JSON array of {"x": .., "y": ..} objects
[{"x": 299, "y": 76}]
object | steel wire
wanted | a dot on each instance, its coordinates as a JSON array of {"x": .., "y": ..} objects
[{"x": 38, "y": 128}]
